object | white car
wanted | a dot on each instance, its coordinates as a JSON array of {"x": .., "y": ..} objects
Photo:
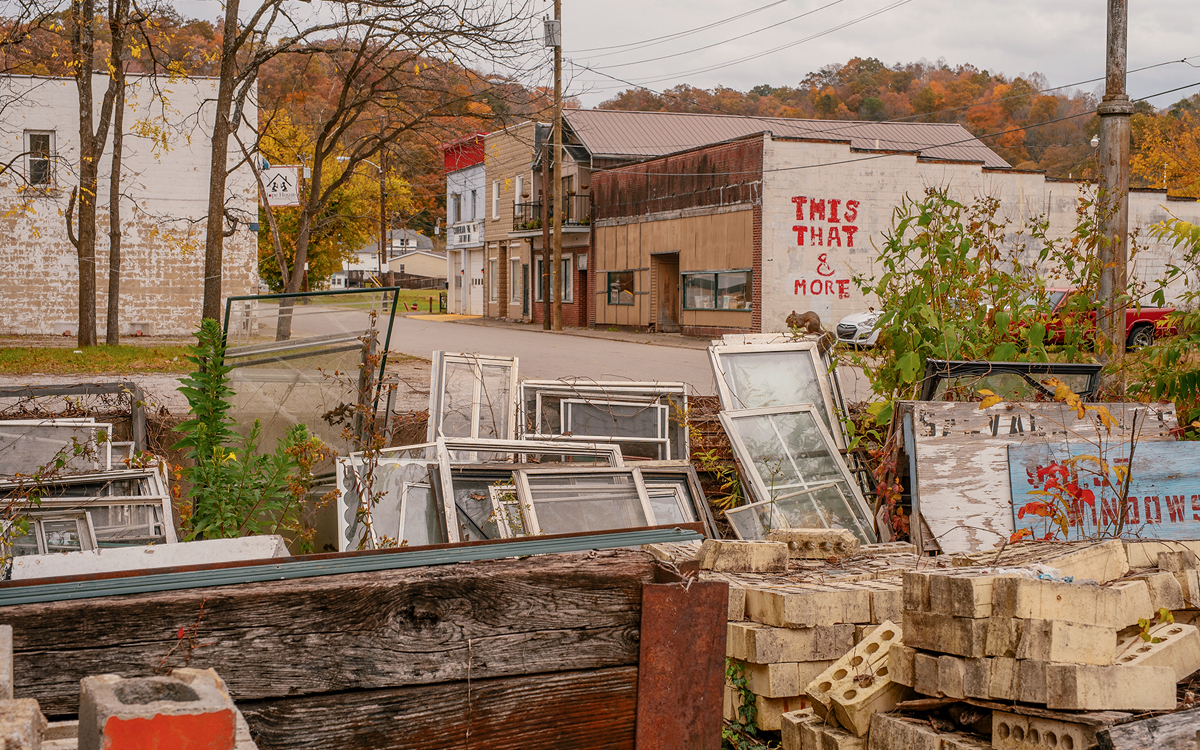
[{"x": 859, "y": 329}]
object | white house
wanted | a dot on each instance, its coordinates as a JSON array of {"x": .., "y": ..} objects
[
  {"x": 168, "y": 127},
  {"x": 364, "y": 268},
  {"x": 465, "y": 187}
]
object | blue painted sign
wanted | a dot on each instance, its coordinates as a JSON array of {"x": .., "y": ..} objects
[{"x": 1062, "y": 491}]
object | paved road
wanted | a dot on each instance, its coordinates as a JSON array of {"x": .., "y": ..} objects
[{"x": 545, "y": 355}]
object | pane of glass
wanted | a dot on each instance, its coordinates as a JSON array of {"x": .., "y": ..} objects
[
  {"x": 679, "y": 485},
  {"x": 495, "y": 399},
  {"x": 789, "y": 454},
  {"x": 472, "y": 495},
  {"x": 568, "y": 280},
  {"x": 26, "y": 544},
  {"x": 620, "y": 288},
  {"x": 514, "y": 280},
  {"x": 586, "y": 502},
  {"x": 127, "y": 525},
  {"x": 699, "y": 291},
  {"x": 733, "y": 291},
  {"x": 783, "y": 378},
  {"x": 751, "y": 521},
  {"x": 612, "y": 419},
  {"x": 1009, "y": 386},
  {"x": 494, "y": 274},
  {"x": 458, "y": 398},
  {"x": 39, "y": 145},
  {"x": 664, "y": 501},
  {"x": 39, "y": 171},
  {"x": 62, "y": 536},
  {"x": 421, "y": 524}
]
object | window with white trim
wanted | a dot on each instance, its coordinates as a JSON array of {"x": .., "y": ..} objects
[
  {"x": 496, "y": 199},
  {"x": 514, "y": 280},
  {"x": 39, "y": 158},
  {"x": 494, "y": 278}
]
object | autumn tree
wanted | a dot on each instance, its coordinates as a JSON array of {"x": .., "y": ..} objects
[{"x": 1167, "y": 148}]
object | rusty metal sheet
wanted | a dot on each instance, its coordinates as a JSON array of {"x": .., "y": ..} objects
[{"x": 681, "y": 668}]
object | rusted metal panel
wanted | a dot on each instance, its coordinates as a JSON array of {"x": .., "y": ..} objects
[
  {"x": 681, "y": 667},
  {"x": 1162, "y": 502},
  {"x": 962, "y": 486}
]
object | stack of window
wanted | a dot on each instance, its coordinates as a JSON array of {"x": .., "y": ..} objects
[
  {"x": 84, "y": 500},
  {"x": 471, "y": 482},
  {"x": 783, "y": 413}
]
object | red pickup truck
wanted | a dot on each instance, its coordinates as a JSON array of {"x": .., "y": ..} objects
[{"x": 1142, "y": 325}]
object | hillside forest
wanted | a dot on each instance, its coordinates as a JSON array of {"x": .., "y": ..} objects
[{"x": 1030, "y": 124}]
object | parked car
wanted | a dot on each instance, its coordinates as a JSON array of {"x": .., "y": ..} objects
[
  {"x": 859, "y": 329},
  {"x": 1142, "y": 325}
]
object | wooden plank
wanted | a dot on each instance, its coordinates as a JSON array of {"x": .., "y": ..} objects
[
  {"x": 682, "y": 665},
  {"x": 1174, "y": 731},
  {"x": 1091, "y": 718},
  {"x": 962, "y": 460},
  {"x": 583, "y": 710},
  {"x": 1163, "y": 500},
  {"x": 347, "y": 632}
]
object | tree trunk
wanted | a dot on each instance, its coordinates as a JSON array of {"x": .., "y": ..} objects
[
  {"x": 112, "y": 335},
  {"x": 83, "y": 43},
  {"x": 214, "y": 233}
]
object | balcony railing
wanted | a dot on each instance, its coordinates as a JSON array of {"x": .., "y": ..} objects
[{"x": 527, "y": 217}]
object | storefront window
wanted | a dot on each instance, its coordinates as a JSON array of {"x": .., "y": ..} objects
[
  {"x": 716, "y": 290},
  {"x": 620, "y": 287}
]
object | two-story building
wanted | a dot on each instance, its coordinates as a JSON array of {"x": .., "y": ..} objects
[
  {"x": 165, "y": 182},
  {"x": 465, "y": 188},
  {"x": 407, "y": 251}
]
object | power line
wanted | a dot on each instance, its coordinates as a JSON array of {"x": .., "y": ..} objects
[{"x": 629, "y": 47}]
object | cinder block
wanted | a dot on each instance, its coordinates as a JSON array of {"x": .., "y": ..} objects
[
  {"x": 22, "y": 725},
  {"x": 864, "y": 660},
  {"x": 1002, "y": 682},
  {"x": 960, "y": 636},
  {"x": 961, "y": 595},
  {"x": 1036, "y": 599},
  {"x": 831, "y": 737},
  {"x": 1102, "y": 562},
  {"x": 887, "y": 601},
  {"x": 791, "y": 727},
  {"x": 977, "y": 678},
  {"x": 737, "y": 603},
  {"x": 1178, "y": 647},
  {"x": 817, "y": 544},
  {"x": 1145, "y": 554},
  {"x": 808, "y": 606},
  {"x": 732, "y": 556},
  {"x": 925, "y": 674},
  {"x": 771, "y": 710},
  {"x": 1017, "y": 732},
  {"x": 1189, "y": 586},
  {"x": 184, "y": 711},
  {"x": 1062, "y": 641},
  {"x": 804, "y": 730},
  {"x": 916, "y": 591},
  {"x": 1031, "y": 681},
  {"x": 781, "y": 679},
  {"x": 1175, "y": 561},
  {"x": 900, "y": 662},
  {"x": 862, "y": 631},
  {"x": 893, "y": 731},
  {"x": 1077, "y": 687},
  {"x": 952, "y": 673},
  {"x": 6, "y": 662},
  {"x": 856, "y": 702},
  {"x": 1165, "y": 591},
  {"x": 763, "y": 644},
  {"x": 1135, "y": 602},
  {"x": 1003, "y": 636}
]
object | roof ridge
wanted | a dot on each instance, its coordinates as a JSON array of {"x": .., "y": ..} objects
[{"x": 764, "y": 117}]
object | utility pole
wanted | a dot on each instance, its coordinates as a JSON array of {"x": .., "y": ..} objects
[
  {"x": 544, "y": 280},
  {"x": 556, "y": 272},
  {"x": 1115, "y": 110}
]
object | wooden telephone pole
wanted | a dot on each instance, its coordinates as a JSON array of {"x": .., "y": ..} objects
[
  {"x": 557, "y": 267},
  {"x": 1115, "y": 110}
]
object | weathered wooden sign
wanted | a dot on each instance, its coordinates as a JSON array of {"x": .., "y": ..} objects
[{"x": 1072, "y": 491}]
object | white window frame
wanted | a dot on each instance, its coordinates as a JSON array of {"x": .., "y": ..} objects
[
  {"x": 520, "y": 187},
  {"x": 568, "y": 274},
  {"x": 514, "y": 280},
  {"x": 495, "y": 200},
  {"x": 30, "y": 158},
  {"x": 454, "y": 210},
  {"x": 525, "y": 496},
  {"x": 494, "y": 273},
  {"x": 474, "y": 205}
]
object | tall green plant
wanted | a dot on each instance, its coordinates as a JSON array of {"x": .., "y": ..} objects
[{"x": 236, "y": 491}]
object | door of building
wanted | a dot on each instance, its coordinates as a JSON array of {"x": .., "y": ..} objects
[
  {"x": 525, "y": 290},
  {"x": 665, "y": 270},
  {"x": 475, "y": 274}
]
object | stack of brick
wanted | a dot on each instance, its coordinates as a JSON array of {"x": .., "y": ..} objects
[{"x": 988, "y": 634}]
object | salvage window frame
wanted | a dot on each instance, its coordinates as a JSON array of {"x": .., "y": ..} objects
[
  {"x": 778, "y": 520},
  {"x": 477, "y": 363},
  {"x": 525, "y": 492},
  {"x": 829, "y": 409},
  {"x": 758, "y": 486}
]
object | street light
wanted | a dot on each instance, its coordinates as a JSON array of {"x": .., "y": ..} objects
[{"x": 382, "y": 210}]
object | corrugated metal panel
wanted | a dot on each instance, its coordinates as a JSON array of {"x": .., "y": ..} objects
[{"x": 647, "y": 134}]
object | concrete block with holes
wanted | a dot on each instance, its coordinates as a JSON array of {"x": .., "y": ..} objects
[
  {"x": 892, "y": 731},
  {"x": 1165, "y": 591},
  {"x": 1062, "y": 641},
  {"x": 1077, "y": 687},
  {"x": 856, "y": 702},
  {"x": 764, "y": 644},
  {"x": 731, "y": 556},
  {"x": 808, "y": 606},
  {"x": 1017, "y": 732},
  {"x": 817, "y": 544},
  {"x": 1177, "y": 647},
  {"x": 184, "y": 711},
  {"x": 864, "y": 661},
  {"x": 960, "y": 636},
  {"x": 962, "y": 595},
  {"x": 1036, "y": 599}
]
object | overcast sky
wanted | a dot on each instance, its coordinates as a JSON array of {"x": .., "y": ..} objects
[{"x": 1061, "y": 39}]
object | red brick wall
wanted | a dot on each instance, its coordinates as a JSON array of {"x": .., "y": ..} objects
[{"x": 572, "y": 312}]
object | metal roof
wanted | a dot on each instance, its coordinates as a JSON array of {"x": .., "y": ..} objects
[{"x": 610, "y": 133}]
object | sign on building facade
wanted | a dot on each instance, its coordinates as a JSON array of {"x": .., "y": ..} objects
[{"x": 282, "y": 185}]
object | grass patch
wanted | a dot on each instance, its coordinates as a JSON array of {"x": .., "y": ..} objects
[{"x": 122, "y": 360}]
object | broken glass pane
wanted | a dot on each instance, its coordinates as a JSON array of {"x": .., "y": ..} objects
[
  {"x": 759, "y": 376},
  {"x": 28, "y": 445},
  {"x": 787, "y": 449},
  {"x": 472, "y": 396}
]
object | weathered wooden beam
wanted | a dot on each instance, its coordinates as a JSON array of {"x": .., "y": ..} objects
[
  {"x": 593, "y": 709},
  {"x": 358, "y": 631},
  {"x": 1174, "y": 731}
]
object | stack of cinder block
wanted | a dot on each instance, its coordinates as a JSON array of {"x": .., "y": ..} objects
[
  {"x": 999, "y": 635},
  {"x": 798, "y": 603}
]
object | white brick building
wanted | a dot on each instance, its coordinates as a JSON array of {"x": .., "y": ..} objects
[{"x": 168, "y": 126}]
